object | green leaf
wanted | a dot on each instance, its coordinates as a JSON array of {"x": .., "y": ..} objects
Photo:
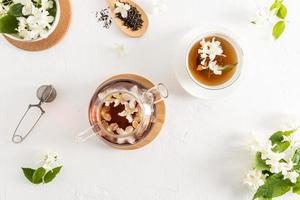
[
  {"x": 28, "y": 173},
  {"x": 296, "y": 188},
  {"x": 8, "y": 24},
  {"x": 16, "y": 10},
  {"x": 278, "y": 29},
  {"x": 282, "y": 12},
  {"x": 52, "y": 11},
  {"x": 281, "y": 147},
  {"x": 50, "y": 175},
  {"x": 276, "y": 5},
  {"x": 274, "y": 186},
  {"x": 259, "y": 163},
  {"x": 277, "y": 139},
  {"x": 228, "y": 67},
  {"x": 38, "y": 175},
  {"x": 296, "y": 160}
]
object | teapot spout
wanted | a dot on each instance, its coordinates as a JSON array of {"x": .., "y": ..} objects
[{"x": 85, "y": 135}]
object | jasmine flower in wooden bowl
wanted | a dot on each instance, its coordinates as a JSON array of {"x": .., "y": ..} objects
[{"x": 29, "y": 20}]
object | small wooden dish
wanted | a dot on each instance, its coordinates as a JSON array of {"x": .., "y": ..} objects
[
  {"x": 55, "y": 37},
  {"x": 159, "y": 111},
  {"x": 138, "y": 33}
]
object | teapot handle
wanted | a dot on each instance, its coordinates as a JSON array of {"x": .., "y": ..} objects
[
  {"x": 162, "y": 90},
  {"x": 85, "y": 135}
]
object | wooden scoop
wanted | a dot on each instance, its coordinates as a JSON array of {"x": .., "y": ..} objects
[{"x": 138, "y": 33}]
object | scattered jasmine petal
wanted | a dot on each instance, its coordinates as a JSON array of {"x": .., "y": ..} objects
[
  {"x": 254, "y": 179},
  {"x": 159, "y": 6},
  {"x": 121, "y": 49}
]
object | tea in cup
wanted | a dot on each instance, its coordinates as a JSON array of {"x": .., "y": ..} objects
[{"x": 214, "y": 60}]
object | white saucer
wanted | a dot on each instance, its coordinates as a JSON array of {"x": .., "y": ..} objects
[{"x": 182, "y": 74}]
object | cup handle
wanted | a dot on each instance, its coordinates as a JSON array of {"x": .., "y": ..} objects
[
  {"x": 162, "y": 90},
  {"x": 85, "y": 135}
]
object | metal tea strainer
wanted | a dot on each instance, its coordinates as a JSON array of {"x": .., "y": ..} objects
[{"x": 46, "y": 94}]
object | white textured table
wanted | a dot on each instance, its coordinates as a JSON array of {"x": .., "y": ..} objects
[{"x": 198, "y": 153}]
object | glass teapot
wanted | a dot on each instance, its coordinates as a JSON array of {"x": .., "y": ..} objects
[{"x": 144, "y": 99}]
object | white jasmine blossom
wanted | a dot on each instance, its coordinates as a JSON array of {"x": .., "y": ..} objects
[
  {"x": 40, "y": 19},
  {"x": 49, "y": 161},
  {"x": 38, "y": 22},
  {"x": 272, "y": 159},
  {"x": 128, "y": 130},
  {"x": 215, "y": 68},
  {"x": 292, "y": 175},
  {"x": 204, "y": 52},
  {"x": 108, "y": 100},
  {"x": 121, "y": 98},
  {"x": 208, "y": 52},
  {"x": 215, "y": 49},
  {"x": 128, "y": 112},
  {"x": 121, "y": 49},
  {"x": 284, "y": 168},
  {"x": 254, "y": 179},
  {"x": 265, "y": 15},
  {"x": 129, "y": 139},
  {"x": 46, "y": 4},
  {"x": 275, "y": 164},
  {"x": 122, "y": 8}
]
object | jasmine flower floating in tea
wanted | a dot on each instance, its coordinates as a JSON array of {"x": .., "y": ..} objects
[
  {"x": 212, "y": 60},
  {"x": 121, "y": 115}
]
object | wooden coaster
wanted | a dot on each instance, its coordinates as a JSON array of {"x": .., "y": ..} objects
[
  {"x": 55, "y": 37},
  {"x": 159, "y": 113}
]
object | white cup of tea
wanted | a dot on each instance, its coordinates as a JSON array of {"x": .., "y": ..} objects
[{"x": 209, "y": 63}]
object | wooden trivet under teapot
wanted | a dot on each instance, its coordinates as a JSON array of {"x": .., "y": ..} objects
[{"x": 159, "y": 113}]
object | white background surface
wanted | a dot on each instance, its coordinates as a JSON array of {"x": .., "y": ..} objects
[{"x": 198, "y": 154}]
